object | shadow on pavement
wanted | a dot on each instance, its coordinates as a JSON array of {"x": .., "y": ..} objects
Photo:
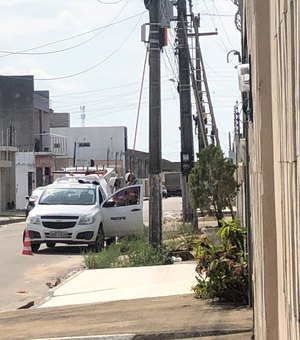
[{"x": 63, "y": 250}]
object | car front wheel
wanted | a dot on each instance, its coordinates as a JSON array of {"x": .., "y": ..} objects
[
  {"x": 35, "y": 247},
  {"x": 99, "y": 242}
]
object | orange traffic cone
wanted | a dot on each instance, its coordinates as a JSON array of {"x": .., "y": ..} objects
[{"x": 27, "y": 244}]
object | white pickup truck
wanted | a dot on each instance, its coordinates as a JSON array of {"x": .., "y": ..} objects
[{"x": 84, "y": 211}]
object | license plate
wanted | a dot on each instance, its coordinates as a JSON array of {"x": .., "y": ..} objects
[{"x": 58, "y": 234}]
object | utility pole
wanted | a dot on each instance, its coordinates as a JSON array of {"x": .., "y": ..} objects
[
  {"x": 186, "y": 124},
  {"x": 74, "y": 154},
  {"x": 155, "y": 199}
]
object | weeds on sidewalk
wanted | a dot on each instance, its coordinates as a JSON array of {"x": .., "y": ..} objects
[
  {"x": 127, "y": 252},
  {"x": 136, "y": 251}
]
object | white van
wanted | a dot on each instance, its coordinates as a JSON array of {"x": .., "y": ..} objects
[{"x": 84, "y": 211}]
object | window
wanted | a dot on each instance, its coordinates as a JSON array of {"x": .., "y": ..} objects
[
  {"x": 68, "y": 196},
  {"x": 100, "y": 196},
  {"x": 84, "y": 144},
  {"x": 125, "y": 197}
]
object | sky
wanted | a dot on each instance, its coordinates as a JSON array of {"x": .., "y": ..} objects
[{"x": 89, "y": 53}]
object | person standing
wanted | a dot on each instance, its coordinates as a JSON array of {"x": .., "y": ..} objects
[{"x": 130, "y": 179}]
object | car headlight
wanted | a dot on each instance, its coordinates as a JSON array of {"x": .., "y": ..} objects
[
  {"x": 87, "y": 219},
  {"x": 33, "y": 220}
]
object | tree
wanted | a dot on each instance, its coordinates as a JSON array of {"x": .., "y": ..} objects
[{"x": 212, "y": 183}]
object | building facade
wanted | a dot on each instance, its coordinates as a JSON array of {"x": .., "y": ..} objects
[
  {"x": 94, "y": 146},
  {"x": 271, "y": 45},
  {"x": 25, "y": 132}
]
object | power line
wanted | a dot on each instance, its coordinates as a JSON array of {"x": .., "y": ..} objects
[
  {"x": 92, "y": 91},
  {"x": 221, "y": 21},
  {"x": 109, "y": 3},
  {"x": 90, "y": 68},
  {"x": 25, "y": 52},
  {"x": 219, "y": 15},
  {"x": 103, "y": 89},
  {"x": 118, "y": 106}
]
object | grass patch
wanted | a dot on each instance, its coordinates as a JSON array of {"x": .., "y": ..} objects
[
  {"x": 136, "y": 251},
  {"x": 107, "y": 258},
  {"x": 132, "y": 251}
]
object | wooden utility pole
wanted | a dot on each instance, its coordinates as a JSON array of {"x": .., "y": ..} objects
[{"x": 155, "y": 199}]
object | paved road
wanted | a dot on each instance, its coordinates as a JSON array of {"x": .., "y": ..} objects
[
  {"x": 172, "y": 214},
  {"x": 23, "y": 277},
  {"x": 170, "y": 206}
]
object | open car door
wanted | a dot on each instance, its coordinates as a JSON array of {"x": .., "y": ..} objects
[{"x": 122, "y": 213}]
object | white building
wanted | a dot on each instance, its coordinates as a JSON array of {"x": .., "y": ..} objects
[
  {"x": 93, "y": 146},
  {"x": 25, "y": 177},
  {"x": 82, "y": 146}
]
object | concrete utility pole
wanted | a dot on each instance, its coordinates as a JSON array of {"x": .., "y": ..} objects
[
  {"x": 186, "y": 124},
  {"x": 155, "y": 199}
]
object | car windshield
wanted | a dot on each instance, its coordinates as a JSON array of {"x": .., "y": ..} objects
[
  {"x": 37, "y": 193},
  {"x": 68, "y": 196}
]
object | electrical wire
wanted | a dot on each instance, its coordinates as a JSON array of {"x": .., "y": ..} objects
[
  {"x": 221, "y": 21},
  {"x": 109, "y": 3},
  {"x": 103, "y": 28},
  {"x": 212, "y": 15},
  {"x": 100, "y": 90},
  {"x": 219, "y": 15},
  {"x": 92, "y": 67},
  {"x": 139, "y": 104},
  {"x": 172, "y": 75},
  {"x": 92, "y": 91}
]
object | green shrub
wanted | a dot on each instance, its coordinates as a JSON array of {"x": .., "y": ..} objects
[{"x": 222, "y": 270}]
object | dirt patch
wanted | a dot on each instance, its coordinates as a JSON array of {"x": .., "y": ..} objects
[
  {"x": 52, "y": 272},
  {"x": 172, "y": 220}
]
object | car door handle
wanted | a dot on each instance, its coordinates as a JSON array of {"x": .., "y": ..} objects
[{"x": 136, "y": 209}]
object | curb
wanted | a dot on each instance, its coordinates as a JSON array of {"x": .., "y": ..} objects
[
  {"x": 179, "y": 334},
  {"x": 95, "y": 337},
  {"x": 51, "y": 292},
  {"x": 12, "y": 220}
]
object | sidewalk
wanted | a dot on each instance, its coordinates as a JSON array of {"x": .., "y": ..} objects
[
  {"x": 137, "y": 303},
  {"x": 12, "y": 216},
  {"x": 114, "y": 284},
  {"x": 127, "y": 303}
]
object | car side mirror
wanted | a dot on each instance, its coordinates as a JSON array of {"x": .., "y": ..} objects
[{"x": 27, "y": 198}]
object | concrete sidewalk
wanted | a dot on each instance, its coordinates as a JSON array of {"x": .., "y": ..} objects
[
  {"x": 113, "y": 284},
  {"x": 129, "y": 303}
]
